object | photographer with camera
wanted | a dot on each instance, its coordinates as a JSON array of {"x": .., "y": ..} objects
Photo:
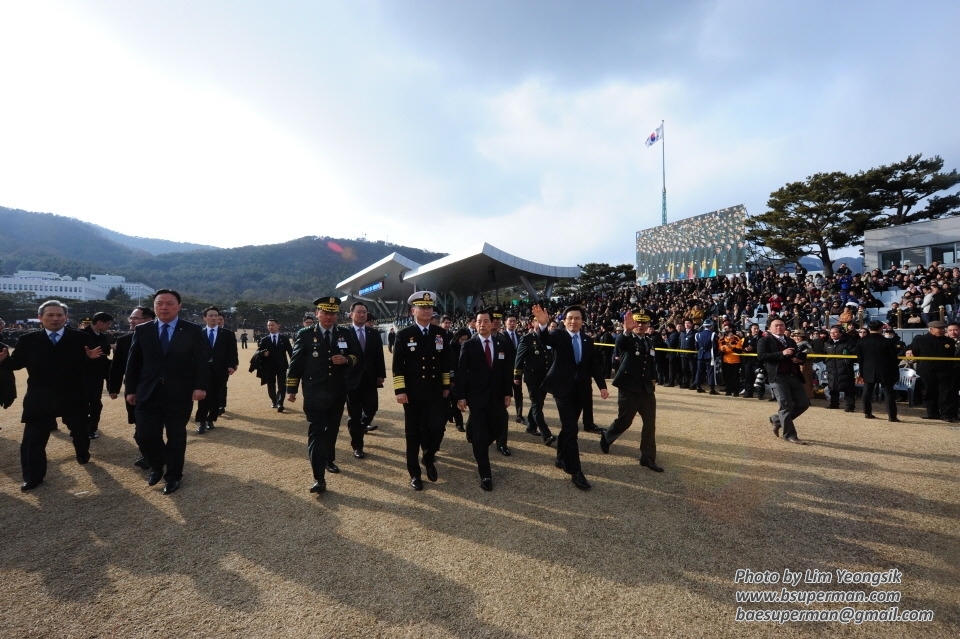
[{"x": 782, "y": 360}]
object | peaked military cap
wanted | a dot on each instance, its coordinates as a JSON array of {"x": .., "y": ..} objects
[
  {"x": 329, "y": 304},
  {"x": 641, "y": 318},
  {"x": 422, "y": 298}
]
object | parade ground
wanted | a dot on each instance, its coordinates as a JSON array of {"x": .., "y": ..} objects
[{"x": 862, "y": 527}]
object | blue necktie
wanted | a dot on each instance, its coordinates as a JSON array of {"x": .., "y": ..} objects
[
  {"x": 164, "y": 338},
  {"x": 576, "y": 348},
  {"x": 54, "y": 337},
  {"x": 212, "y": 333}
]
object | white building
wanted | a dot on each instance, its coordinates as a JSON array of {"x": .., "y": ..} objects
[
  {"x": 912, "y": 244},
  {"x": 43, "y": 284}
]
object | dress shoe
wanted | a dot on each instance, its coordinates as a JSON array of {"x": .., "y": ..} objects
[
  {"x": 592, "y": 428},
  {"x": 930, "y": 417},
  {"x": 332, "y": 467},
  {"x": 487, "y": 484},
  {"x": 273, "y": 405},
  {"x": 559, "y": 463},
  {"x": 431, "y": 471},
  {"x": 893, "y": 419},
  {"x": 776, "y": 425},
  {"x": 604, "y": 444},
  {"x": 142, "y": 463},
  {"x": 652, "y": 465},
  {"x": 713, "y": 391},
  {"x": 504, "y": 451},
  {"x": 84, "y": 458},
  {"x": 832, "y": 407},
  {"x": 202, "y": 428},
  {"x": 461, "y": 428},
  {"x": 416, "y": 483},
  {"x": 549, "y": 440},
  {"x": 795, "y": 440},
  {"x": 95, "y": 434},
  {"x": 849, "y": 409},
  {"x": 869, "y": 416},
  {"x": 30, "y": 485},
  {"x": 580, "y": 481},
  {"x": 521, "y": 420},
  {"x": 279, "y": 409},
  {"x": 221, "y": 411},
  {"x": 319, "y": 486},
  {"x": 359, "y": 454},
  {"x": 154, "y": 478},
  {"x": 533, "y": 431},
  {"x": 371, "y": 427},
  {"x": 700, "y": 390},
  {"x": 171, "y": 487},
  {"x": 211, "y": 425}
]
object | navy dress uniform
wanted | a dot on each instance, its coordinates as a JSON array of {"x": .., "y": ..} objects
[
  {"x": 421, "y": 382},
  {"x": 635, "y": 379},
  {"x": 321, "y": 357}
]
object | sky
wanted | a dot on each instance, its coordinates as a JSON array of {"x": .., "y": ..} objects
[{"x": 442, "y": 124}]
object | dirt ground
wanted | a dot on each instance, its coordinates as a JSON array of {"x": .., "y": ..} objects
[{"x": 243, "y": 549}]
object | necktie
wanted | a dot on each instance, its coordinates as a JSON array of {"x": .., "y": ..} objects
[
  {"x": 362, "y": 336},
  {"x": 488, "y": 352},
  {"x": 326, "y": 338},
  {"x": 212, "y": 334},
  {"x": 576, "y": 349},
  {"x": 165, "y": 338},
  {"x": 274, "y": 339},
  {"x": 513, "y": 338},
  {"x": 54, "y": 337},
  {"x": 426, "y": 332}
]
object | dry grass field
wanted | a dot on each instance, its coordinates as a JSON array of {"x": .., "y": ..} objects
[{"x": 244, "y": 550}]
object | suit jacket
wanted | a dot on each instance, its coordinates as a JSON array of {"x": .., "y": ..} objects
[
  {"x": 877, "y": 356},
  {"x": 223, "y": 355},
  {"x": 118, "y": 365},
  {"x": 565, "y": 374},
  {"x": 276, "y": 361},
  {"x": 770, "y": 354},
  {"x": 372, "y": 365},
  {"x": 151, "y": 374},
  {"x": 422, "y": 363},
  {"x": 8, "y": 384},
  {"x": 479, "y": 384},
  {"x": 55, "y": 381}
]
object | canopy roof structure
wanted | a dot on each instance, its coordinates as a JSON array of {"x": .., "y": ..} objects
[{"x": 457, "y": 279}]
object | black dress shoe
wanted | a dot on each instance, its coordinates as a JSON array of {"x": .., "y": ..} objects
[
  {"x": 713, "y": 391},
  {"x": 30, "y": 485},
  {"x": 359, "y": 454},
  {"x": 487, "y": 484},
  {"x": 796, "y": 440},
  {"x": 652, "y": 465},
  {"x": 869, "y": 416},
  {"x": 504, "y": 451},
  {"x": 930, "y": 417},
  {"x": 171, "y": 487},
  {"x": 832, "y": 407},
  {"x": 520, "y": 420},
  {"x": 416, "y": 483},
  {"x": 580, "y": 481},
  {"x": 83, "y": 459},
  {"x": 604, "y": 444},
  {"x": 849, "y": 409},
  {"x": 371, "y": 428},
  {"x": 431, "y": 471},
  {"x": 279, "y": 409},
  {"x": 893, "y": 419},
  {"x": 776, "y": 425},
  {"x": 549, "y": 439},
  {"x": 273, "y": 405},
  {"x": 533, "y": 431},
  {"x": 700, "y": 390},
  {"x": 461, "y": 428},
  {"x": 202, "y": 428},
  {"x": 332, "y": 467},
  {"x": 142, "y": 463},
  {"x": 95, "y": 434},
  {"x": 211, "y": 425},
  {"x": 154, "y": 478},
  {"x": 559, "y": 463},
  {"x": 319, "y": 486},
  {"x": 592, "y": 428}
]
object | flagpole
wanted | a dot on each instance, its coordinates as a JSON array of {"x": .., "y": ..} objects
[{"x": 663, "y": 165}]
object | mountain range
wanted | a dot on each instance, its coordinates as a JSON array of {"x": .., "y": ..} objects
[{"x": 296, "y": 271}]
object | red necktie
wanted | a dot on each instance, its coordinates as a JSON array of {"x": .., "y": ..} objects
[{"x": 489, "y": 353}]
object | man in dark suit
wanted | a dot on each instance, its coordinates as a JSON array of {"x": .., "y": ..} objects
[
  {"x": 272, "y": 352},
  {"x": 57, "y": 358},
  {"x": 879, "y": 364},
  {"x": 531, "y": 366},
  {"x": 507, "y": 347},
  {"x": 575, "y": 362},
  {"x": 118, "y": 367},
  {"x": 97, "y": 329},
  {"x": 322, "y": 356},
  {"x": 224, "y": 361},
  {"x": 779, "y": 354},
  {"x": 635, "y": 379},
  {"x": 421, "y": 383},
  {"x": 485, "y": 386},
  {"x": 364, "y": 380},
  {"x": 510, "y": 323},
  {"x": 936, "y": 374},
  {"x": 167, "y": 370}
]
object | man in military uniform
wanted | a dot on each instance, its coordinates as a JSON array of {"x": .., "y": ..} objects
[
  {"x": 96, "y": 375},
  {"x": 421, "y": 383},
  {"x": 321, "y": 357},
  {"x": 531, "y": 366},
  {"x": 937, "y": 376},
  {"x": 635, "y": 380}
]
